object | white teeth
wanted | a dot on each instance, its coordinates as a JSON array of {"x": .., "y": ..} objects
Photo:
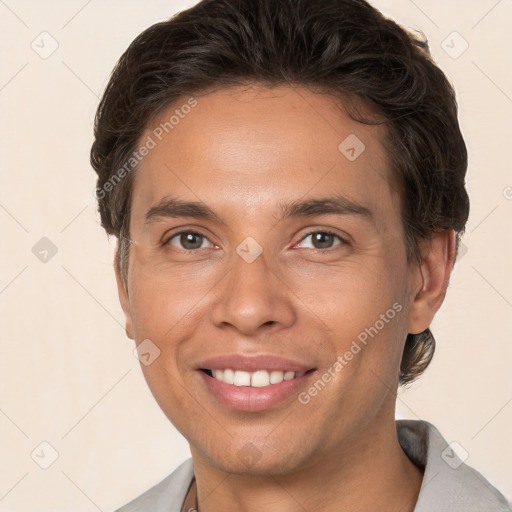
[
  {"x": 257, "y": 379},
  {"x": 242, "y": 378},
  {"x": 260, "y": 379},
  {"x": 276, "y": 377},
  {"x": 228, "y": 377}
]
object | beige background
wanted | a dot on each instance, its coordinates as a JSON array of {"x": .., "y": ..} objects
[{"x": 68, "y": 375}]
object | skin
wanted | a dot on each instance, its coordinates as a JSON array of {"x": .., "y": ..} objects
[{"x": 242, "y": 152}]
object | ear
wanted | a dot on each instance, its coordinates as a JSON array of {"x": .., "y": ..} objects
[
  {"x": 430, "y": 280},
  {"x": 123, "y": 298}
]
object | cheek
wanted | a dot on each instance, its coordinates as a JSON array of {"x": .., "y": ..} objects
[
  {"x": 163, "y": 303},
  {"x": 351, "y": 297},
  {"x": 365, "y": 308}
]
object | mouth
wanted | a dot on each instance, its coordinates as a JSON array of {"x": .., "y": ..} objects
[
  {"x": 253, "y": 383},
  {"x": 256, "y": 379}
]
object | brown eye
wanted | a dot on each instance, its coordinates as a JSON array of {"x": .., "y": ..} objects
[
  {"x": 322, "y": 240},
  {"x": 187, "y": 240}
]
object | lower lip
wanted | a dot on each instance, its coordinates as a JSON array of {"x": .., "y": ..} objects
[{"x": 253, "y": 399}]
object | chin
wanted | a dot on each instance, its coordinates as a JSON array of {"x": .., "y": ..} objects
[{"x": 248, "y": 459}]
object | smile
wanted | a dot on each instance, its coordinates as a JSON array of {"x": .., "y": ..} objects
[{"x": 256, "y": 379}]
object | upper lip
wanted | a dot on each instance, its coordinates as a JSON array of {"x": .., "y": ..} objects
[{"x": 252, "y": 363}]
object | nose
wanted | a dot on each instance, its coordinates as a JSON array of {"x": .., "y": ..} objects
[{"x": 252, "y": 297}]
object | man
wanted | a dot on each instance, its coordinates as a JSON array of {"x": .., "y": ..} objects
[{"x": 286, "y": 182}]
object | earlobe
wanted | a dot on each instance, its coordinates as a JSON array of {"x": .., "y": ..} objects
[
  {"x": 430, "y": 280},
  {"x": 124, "y": 300}
]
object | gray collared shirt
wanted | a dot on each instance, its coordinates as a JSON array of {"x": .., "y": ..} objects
[{"x": 448, "y": 484}]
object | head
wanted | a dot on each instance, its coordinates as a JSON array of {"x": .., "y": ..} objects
[{"x": 248, "y": 108}]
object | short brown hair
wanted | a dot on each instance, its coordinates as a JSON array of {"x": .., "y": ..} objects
[{"x": 344, "y": 47}]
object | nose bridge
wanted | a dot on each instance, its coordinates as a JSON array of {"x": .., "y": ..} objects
[{"x": 250, "y": 296}]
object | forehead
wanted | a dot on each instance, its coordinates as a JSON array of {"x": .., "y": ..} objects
[{"x": 255, "y": 147}]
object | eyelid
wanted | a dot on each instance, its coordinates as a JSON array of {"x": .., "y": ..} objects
[
  {"x": 166, "y": 238},
  {"x": 343, "y": 239}
]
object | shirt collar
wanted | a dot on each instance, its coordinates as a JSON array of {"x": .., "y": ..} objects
[{"x": 448, "y": 484}]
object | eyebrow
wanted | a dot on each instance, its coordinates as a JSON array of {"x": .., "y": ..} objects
[
  {"x": 333, "y": 205},
  {"x": 176, "y": 208}
]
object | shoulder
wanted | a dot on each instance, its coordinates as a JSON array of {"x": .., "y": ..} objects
[
  {"x": 167, "y": 495},
  {"x": 448, "y": 483}
]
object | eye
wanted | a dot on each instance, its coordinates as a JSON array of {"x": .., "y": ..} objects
[
  {"x": 322, "y": 240},
  {"x": 188, "y": 240}
]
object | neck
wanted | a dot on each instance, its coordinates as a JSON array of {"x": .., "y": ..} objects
[{"x": 369, "y": 471}]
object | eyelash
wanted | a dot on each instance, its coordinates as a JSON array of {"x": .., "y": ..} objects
[
  {"x": 325, "y": 232},
  {"x": 342, "y": 240}
]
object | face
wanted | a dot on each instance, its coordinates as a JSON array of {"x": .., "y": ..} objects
[{"x": 287, "y": 272}]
